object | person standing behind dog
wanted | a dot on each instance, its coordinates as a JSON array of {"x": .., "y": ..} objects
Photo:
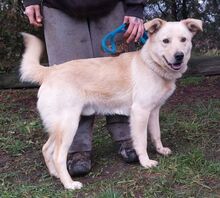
[{"x": 73, "y": 30}]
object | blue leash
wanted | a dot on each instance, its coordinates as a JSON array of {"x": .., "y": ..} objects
[{"x": 111, "y": 36}]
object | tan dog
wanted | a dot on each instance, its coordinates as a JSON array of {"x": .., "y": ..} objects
[{"x": 135, "y": 84}]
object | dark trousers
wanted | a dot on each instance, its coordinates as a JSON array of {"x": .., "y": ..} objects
[{"x": 69, "y": 38}]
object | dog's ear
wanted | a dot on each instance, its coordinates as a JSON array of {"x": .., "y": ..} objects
[
  {"x": 154, "y": 25},
  {"x": 194, "y": 25}
]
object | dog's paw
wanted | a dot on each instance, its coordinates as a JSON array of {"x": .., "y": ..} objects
[
  {"x": 148, "y": 163},
  {"x": 74, "y": 185},
  {"x": 164, "y": 151}
]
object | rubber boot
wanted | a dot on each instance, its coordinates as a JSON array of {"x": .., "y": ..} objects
[{"x": 118, "y": 126}]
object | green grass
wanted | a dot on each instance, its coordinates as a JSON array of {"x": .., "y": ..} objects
[
  {"x": 192, "y": 122},
  {"x": 19, "y": 131},
  {"x": 191, "y": 81},
  {"x": 191, "y": 130},
  {"x": 109, "y": 193}
]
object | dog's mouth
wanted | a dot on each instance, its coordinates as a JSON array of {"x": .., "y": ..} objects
[{"x": 176, "y": 66}]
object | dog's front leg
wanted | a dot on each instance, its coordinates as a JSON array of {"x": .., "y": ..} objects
[
  {"x": 138, "y": 121},
  {"x": 154, "y": 130}
]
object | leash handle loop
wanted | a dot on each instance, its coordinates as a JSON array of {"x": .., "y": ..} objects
[{"x": 110, "y": 38}]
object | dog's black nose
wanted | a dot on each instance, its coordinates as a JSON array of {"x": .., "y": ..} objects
[{"x": 179, "y": 56}]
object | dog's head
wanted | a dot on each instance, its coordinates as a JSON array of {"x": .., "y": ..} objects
[{"x": 170, "y": 42}]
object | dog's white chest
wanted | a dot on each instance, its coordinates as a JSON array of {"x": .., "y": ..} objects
[{"x": 165, "y": 94}]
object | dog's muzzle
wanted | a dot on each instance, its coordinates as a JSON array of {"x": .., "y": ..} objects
[{"x": 177, "y": 64}]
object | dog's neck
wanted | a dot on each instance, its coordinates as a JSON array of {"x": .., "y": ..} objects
[{"x": 155, "y": 67}]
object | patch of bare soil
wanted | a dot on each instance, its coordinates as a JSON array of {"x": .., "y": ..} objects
[{"x": 208, "y": 88}]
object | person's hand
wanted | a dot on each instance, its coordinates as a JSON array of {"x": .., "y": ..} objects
[
  {"x": 34, "y": 15},
  {"x": 135, "y": 29}
]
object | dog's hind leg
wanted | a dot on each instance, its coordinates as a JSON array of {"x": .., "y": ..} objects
[
  {"x": 154, "y": 130},
  {"x": 65, "y": 133},
  {"x": 48, "y": 150},
  {"x": 138, "y": 121}
]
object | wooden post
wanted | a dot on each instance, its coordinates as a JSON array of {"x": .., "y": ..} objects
[{"x": 204, "y": 66}]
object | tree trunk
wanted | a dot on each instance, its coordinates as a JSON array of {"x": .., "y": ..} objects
[
  {"x": 174, "y": 10},
  {"x": 184, "y": 10}
]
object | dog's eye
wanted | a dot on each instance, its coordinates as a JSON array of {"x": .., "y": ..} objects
[
  {"x": 166, "y": 41},
  {"x": 183, "y": 39}
]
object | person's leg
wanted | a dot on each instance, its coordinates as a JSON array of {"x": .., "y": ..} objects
[
  {"x": 117, "y": 125},
  {"x": 100, "y": 26},
  {"x": 119, "y": 128},
  {"x": 67, "y": 39}
]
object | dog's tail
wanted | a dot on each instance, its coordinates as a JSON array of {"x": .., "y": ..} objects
[{"x": 30, "y": 69}]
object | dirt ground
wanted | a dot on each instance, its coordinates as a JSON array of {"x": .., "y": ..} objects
[{"x": 21, "y": 140}]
